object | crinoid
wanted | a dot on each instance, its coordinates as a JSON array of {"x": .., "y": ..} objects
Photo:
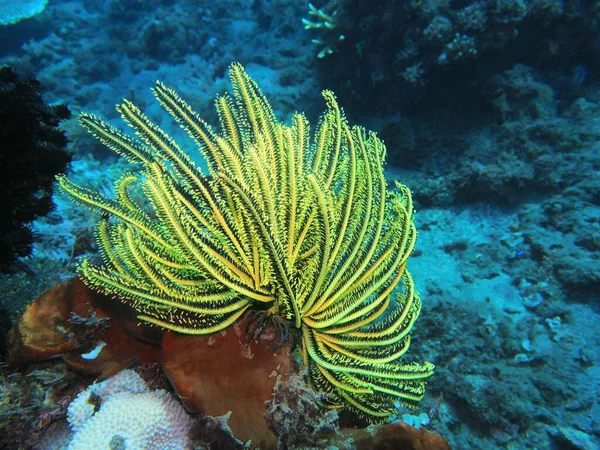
[
  {"x": 304, "y": 232},
  {"x": 258, "y": 321}
]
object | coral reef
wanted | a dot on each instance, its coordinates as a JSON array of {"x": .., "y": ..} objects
[
  {"x": 411, "y": 51},
  {"x": 500, "y": 148}
]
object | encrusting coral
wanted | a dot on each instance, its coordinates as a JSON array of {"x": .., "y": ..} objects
[{"x": 307, "y": 235}]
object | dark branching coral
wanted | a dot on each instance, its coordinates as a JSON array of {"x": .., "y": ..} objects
[{"x": 32, "y": 152}]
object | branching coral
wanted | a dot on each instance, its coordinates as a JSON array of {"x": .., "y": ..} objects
[
  {"x": 325, "y": 24},
  {"x": 307, "y": 232},
  {"x": 32, "y": 152}
]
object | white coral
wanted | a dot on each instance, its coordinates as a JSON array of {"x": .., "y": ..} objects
[
  {"x": 82, "y": 407},
  {"x": 129, "y": 416}
]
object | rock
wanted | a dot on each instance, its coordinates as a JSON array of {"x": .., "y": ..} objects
[{"x": 569, "y": 437}]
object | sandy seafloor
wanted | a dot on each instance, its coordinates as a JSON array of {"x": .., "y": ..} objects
[{"x": 514, "y": 335}]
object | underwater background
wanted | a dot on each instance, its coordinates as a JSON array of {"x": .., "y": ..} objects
[{"x": 490, "y": 112}]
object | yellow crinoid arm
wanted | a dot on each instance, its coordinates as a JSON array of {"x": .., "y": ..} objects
[{"x": 306, "y": 229}]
